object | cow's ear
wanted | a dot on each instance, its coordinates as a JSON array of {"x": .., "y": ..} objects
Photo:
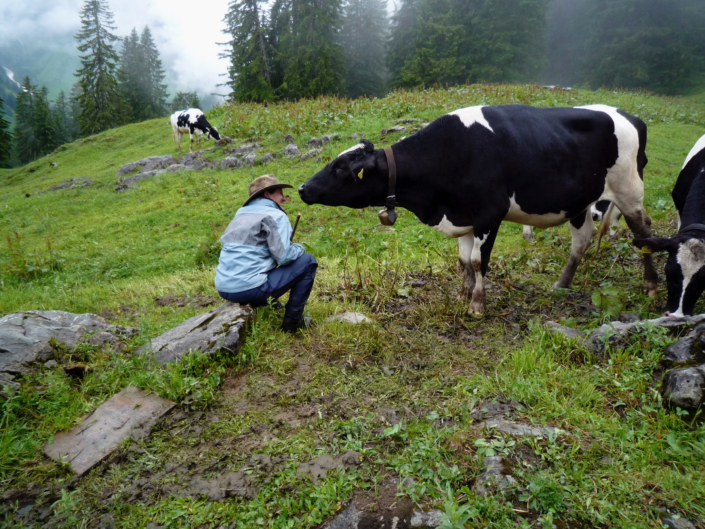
[
  {"x": 369, "y": 146},
  {"x": 656, "y": 244}
]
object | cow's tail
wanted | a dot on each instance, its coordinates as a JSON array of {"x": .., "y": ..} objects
[{"x": 604, "y": 226}]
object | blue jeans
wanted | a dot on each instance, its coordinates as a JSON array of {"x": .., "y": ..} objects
[{"x": 297, "y": 276}]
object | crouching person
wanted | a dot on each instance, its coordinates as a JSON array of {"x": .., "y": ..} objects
[{"x": 258, "y": 260}]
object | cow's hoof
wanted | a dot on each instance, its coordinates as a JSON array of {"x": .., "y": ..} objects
[
  {"x": 558, "y": 285},
  {"x": 477, "y": 309},
  {"x": 651, "y": 292}
]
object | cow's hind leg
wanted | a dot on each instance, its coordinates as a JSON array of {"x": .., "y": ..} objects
[
  {"x": 465, "y": 245},
  {"x": 582, "y": 229},
  {"x": 480, "y": 260},
  {"x": 528, "y": 233}
]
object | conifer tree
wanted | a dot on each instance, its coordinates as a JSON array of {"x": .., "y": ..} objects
[
  {"x": 152, "y": 77},
  {"x": 44, "y": 123},
  {"x": 74, "y": 109},
  {"x": 129, "y": 76},
  {"x": 63, "y": 123},
  {"x": 249, "y": 53},
  {"x": 5, "y": 137},
  {"x": 27, "y": 145},
  {"x": 278, "y": 33},
  {"x": 402, "y": 39},
  {"x": 184, "y": 101},
  {"x": 315, "y": 62},
  {"x": 101, "y": 104},
  {"x": 363, "y": 38}
]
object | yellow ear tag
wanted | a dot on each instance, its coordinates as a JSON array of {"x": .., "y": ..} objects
[
  {"x": 359, "y": 175},
  {"x": 646, "y": 249}
]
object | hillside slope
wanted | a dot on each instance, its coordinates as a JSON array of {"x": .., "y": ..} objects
[{"x": 404, "y": 392}]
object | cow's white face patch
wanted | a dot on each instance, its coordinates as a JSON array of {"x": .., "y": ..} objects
[
  {"x": 691, "y": 258},
  {"x": 699, "y": 146},
  {"x": 547, "y": 220},
  {"x": 471, "y": 115},
  {"x": 351, "y": 149},
  {"x": 448, "y": 229}
]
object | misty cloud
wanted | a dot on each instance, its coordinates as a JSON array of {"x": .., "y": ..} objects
[{"x": 185, "y": 33}]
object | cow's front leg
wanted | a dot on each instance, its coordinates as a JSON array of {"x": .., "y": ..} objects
[
  {"x": 528, "y": 233},
  {"x": 640, "y": 224},
  {"x": 465, "y": 245},
  {"x": 480, "y": 260},
  {"x": 582, "y": 229}
]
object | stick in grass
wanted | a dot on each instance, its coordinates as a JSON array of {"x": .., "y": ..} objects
[{"x": 296, "y": 225}]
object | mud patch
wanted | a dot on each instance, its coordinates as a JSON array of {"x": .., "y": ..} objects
[{"x": 319, "y": 467}]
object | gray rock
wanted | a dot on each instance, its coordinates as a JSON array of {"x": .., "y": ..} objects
[
  {"x": 354, "y": 318},
  {"x": 627, "y": 317},
  {"x": 175, "y": 168},
  {"x": 267, "y": 158},
  {"x": 51, "y": 364},
  {"x": 315, "y": 142},
  {"x": 224, "y": 140},
  {"x": 310, "y": 154},
  {"x": 141, "y": 176},
  {"x": 392, "y": 129},
  {"x": 496, "y": 472},
  {"x": 220, "y": 328},
  {"x": 101, "y": 339},
  {"x": 677, "y": 523},
  {"x": 7, "y": 381},
  {"x": 518, "y": 429},
  {"x": 568, "y": 332},
  {"x": 130, "y": 413},
  {"x": 25, "y": 336},
  {"x": 432, "y": 518},
  {"x": 244, "y": 148},
  {"x": 689, "y": 350},
  {"x": 288, "y": 139},
  {"x": 290, "y": 150},
  {"x": 684, "y": 387},
  {"x": 230, "y": 163},
  {"x": 356, "y": 136},
  {"x": 72, "y": 183},
  {"x": 147, "y": 164},
  {"x": 249, "y": 159},
  {"x": 194, "y": 161},
  {"x": 617, "y": 333},
  {"x": 327, "y": 138}
]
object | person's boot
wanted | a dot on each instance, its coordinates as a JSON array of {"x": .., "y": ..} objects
[{"x": 294, "y": 324}]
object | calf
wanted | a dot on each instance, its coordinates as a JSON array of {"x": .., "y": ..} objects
[
  {"x": 685, "y": 267},
  {"x": 469, "y": 170},
  {"x": 191, "y": 121}
]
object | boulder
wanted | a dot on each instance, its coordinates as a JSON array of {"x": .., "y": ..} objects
[
  {"x": 249, "y": 160},
  {"x": 290, "y": 150},
  {"x": 72, "y": 183},
  {"x": 123, "y": 187},
  {"x": 523, "y": 430},
  {"x": 617, "y": 333},
  {"x": 568, "y": 332},
  {"x": 219, "y": 329},
  {"x": 398, "y": 128},
  {"x": 288, "y": 139},
  {"x": 244, "y": 148},
  {"x": 224, "y": 140},
  {"x": 684, "y": 388},
  {"x": 354, "y": 318},
  {"x": 147, "y": 164},
  {"x": 230, "y": 162},
  {"x": 677, "y": 523},
  {"x": 356, "y": 136},
  {"x": 327, "y": 138},
  {"x": 267, "y": 158},
  {"x": 310, "y": 154},
  {"x": 130, "y": 413},
  {"x": 315, "y": 142},
  {"x": 25, "y": 337},
  {"x": 688, "y": 351}
]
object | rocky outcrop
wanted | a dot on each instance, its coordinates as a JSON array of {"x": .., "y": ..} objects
[
  {"x": 310, "y": 154},
  {"x": 156, "y": 165},
  {"x": 148, "y": 164},
  {"x": 219, "y": 329},
  {"x": 323, "y": 140},
  {"x": 291, "y": 150},
  {"x": 28, "y": 337},
  {"x": 688, "y": 351},
  {"x": 245, "y": 148},
  {"x": 72, "y": 183},
  {"x": 231, "y": 162},
  {"x": 684, "y": 388}
]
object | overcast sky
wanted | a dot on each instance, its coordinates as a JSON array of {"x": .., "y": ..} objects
[{"x": 185, "y": 32}]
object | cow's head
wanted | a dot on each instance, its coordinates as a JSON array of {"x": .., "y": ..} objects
[
  {"x": 213, "y": 133},
  {"x": 356, "y": 178},
  {"x": 685, "y": 270}
]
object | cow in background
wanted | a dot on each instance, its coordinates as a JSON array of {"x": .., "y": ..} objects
[
  {"x": 685, "y": 267},
  {"x": 191, "y": 121}
]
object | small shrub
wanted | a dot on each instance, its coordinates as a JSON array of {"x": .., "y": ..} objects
[
  {"x": 208, "y": 251},
  {"x": 28, "y": 267}
]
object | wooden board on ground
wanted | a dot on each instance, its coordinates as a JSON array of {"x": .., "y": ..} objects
[{"x": 130, "y": 413}]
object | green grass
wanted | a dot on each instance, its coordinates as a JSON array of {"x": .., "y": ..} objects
[{"x": 424, "y": 357}]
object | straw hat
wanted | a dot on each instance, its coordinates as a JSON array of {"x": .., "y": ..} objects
[{"x": 259, "y": 185}]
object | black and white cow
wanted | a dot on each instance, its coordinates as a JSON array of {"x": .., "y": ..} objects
[
  {"x": 469, "y": 170},
  {"x": 191, "y": 121},
  {"x": 598, "y": 211},
  {"x": 685, "y": 268}
]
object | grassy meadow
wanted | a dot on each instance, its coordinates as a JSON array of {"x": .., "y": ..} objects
[{"x": 403, "y": 391}]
